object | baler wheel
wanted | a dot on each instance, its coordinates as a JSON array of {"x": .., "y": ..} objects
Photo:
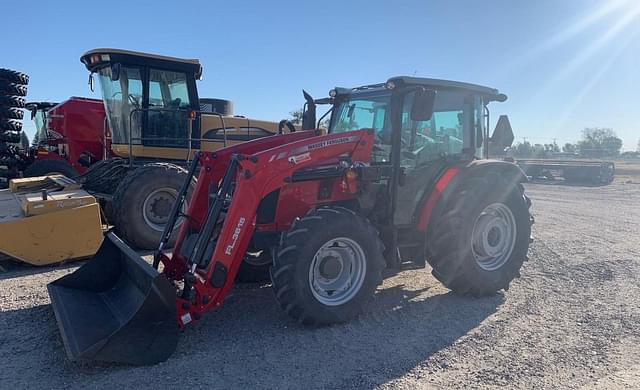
[{"x": 50, "y": 167}]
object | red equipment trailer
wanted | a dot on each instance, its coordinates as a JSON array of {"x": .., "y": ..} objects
[{"x": 70, "y": 136}]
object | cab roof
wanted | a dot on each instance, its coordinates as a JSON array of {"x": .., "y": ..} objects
[
  {"x": 98, "y": 58},
  {"x": 439, "y": 84}
]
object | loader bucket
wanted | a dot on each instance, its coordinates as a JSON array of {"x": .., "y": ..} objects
[{"x": 116, "y": 308}]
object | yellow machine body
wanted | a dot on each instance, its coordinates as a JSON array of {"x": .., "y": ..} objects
[{"x": 41, "y": 229}]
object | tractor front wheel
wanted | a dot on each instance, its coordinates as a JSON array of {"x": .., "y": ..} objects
[
  {"x": 479, "y": 244},
  {"x": 328, "y": 265}
]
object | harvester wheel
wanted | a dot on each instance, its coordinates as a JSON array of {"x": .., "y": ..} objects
[
  {"x": 7, "y": 88},
  {"x": 142, "y": 203},
  {"x": 12, "y": 101},
  {"x": 328, "y": 265},
  {"x": 13, "y": 76},
  {"x": 11, "y": 113},
  {"x": 478, "y": 246},
  {"x": 50, "y": 167}
]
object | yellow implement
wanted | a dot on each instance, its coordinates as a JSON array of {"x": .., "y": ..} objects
[{"x": 48, "y": 219}]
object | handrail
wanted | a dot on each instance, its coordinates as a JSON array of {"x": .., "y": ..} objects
[{"x": 189, "y": 139}]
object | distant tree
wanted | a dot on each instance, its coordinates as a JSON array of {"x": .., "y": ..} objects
[
  {"x": 296, "y": 116},
  {"x": 599, "y": 142},
  {"x": 569, "y": 148},
  {"x": 522, "y": 149},
  {"x": 638, "y": 148},
  {"x": 539, "y": 151},
  {"x": 551, "y": 148}
]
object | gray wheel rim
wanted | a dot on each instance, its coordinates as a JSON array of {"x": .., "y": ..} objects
[
  {"x": 157, "y": 207},
  {"x": 494, "y": 236},
  {"x": 337, "y": 271}
]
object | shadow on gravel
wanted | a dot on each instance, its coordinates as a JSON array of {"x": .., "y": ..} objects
[
  {"x": 16, "y": 269},
  {"x": 251, "y": 343}
]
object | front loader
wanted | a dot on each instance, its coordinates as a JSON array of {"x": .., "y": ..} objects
[{"x": 398, "y": 182}]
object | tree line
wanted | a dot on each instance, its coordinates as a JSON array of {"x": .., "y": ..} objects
[{"x": 596, "y": 142}]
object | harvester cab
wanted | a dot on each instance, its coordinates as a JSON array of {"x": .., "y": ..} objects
[
  {"x": 398, "y": 180},
  {"x": 158, "y": 123},
  {"x": 154, "y": 109}
]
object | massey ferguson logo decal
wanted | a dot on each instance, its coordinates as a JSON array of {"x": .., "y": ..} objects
[
  {"x": 324, "y": 144},
  {"x": 321, "y": 144},
  {"x": 234, "y": 238}
]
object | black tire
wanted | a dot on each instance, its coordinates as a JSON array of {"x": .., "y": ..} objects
[
  {"x": 10, "y": 125},
  {"x": 7, "y": 88},
  {"x": 255, "y": 269},
  {"x": 13, "y": 76},
  {"x": 11, "y": 137},
  {"x": 47, "y": 167},
  {"x": 450, "y": 251},
  {"x": 129, "y": 201},
  {"x": 12, "y": 101},
  {"x": 11, "y": 113},
  {"x": 290, "y": 273}
]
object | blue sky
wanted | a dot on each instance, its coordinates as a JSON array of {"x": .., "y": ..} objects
[{"x": 565, "y": 65}]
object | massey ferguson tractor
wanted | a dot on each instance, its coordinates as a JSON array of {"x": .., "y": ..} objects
[{"x": 399, "y": 181}]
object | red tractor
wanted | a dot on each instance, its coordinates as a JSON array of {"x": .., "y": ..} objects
[
  {"x": 398, "y": 181},
  {"x": 70, "y": 136}
]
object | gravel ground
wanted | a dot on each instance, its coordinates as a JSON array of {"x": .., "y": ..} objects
[{"x": 571, "y": 321}]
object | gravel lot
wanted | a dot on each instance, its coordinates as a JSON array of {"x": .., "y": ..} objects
[{"x": 571, "y": 321}]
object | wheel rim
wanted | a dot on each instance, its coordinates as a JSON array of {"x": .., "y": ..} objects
[
  {"x": 337, "y": 271},
  {"x": 494, "y": 236},
  {"x": 157, "y": 207}
]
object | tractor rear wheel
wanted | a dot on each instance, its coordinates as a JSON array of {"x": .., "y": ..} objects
[
  {"x": 50, "y": 167},
  {"x": 327, "y": 266},
  {"x": 479, "y": 244},
  {"x": 143, "y": 201}
]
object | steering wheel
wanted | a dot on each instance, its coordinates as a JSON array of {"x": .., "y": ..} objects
[
  {"x": 283, "y": 123},
  {"x": 134, "y": 101}
]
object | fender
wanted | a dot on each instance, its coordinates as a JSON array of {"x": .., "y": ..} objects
[{"x": 454, "y": 176}]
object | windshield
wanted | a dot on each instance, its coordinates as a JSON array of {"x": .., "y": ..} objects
[
  {"x": 450, "y": 130},
  {"x": 122, "y": 99},
  {"x": 40, "y": 119}
]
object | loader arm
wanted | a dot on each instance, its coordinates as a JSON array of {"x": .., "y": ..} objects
[{"x": 254, "y": 176}]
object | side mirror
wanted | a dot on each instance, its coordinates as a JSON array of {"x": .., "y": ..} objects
[
  {"x": 502, "y": 136},
  {"x": 308, "y": 112},
  {"x": 423, "y": 103}
]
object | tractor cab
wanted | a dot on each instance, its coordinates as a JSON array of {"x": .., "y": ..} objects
[
  {"x": 151, "y": 100},
  {"x": 39, "y": 113},
  {"x": 427, "y": 119},
  {"x": 422, "y": 126}
]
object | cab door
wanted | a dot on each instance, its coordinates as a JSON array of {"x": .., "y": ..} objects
[{"x": 171, "y": 102}]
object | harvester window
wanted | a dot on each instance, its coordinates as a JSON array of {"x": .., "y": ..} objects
[
  {"x": 122, "y": 96},
  {"x": 169, "y": 103}
]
